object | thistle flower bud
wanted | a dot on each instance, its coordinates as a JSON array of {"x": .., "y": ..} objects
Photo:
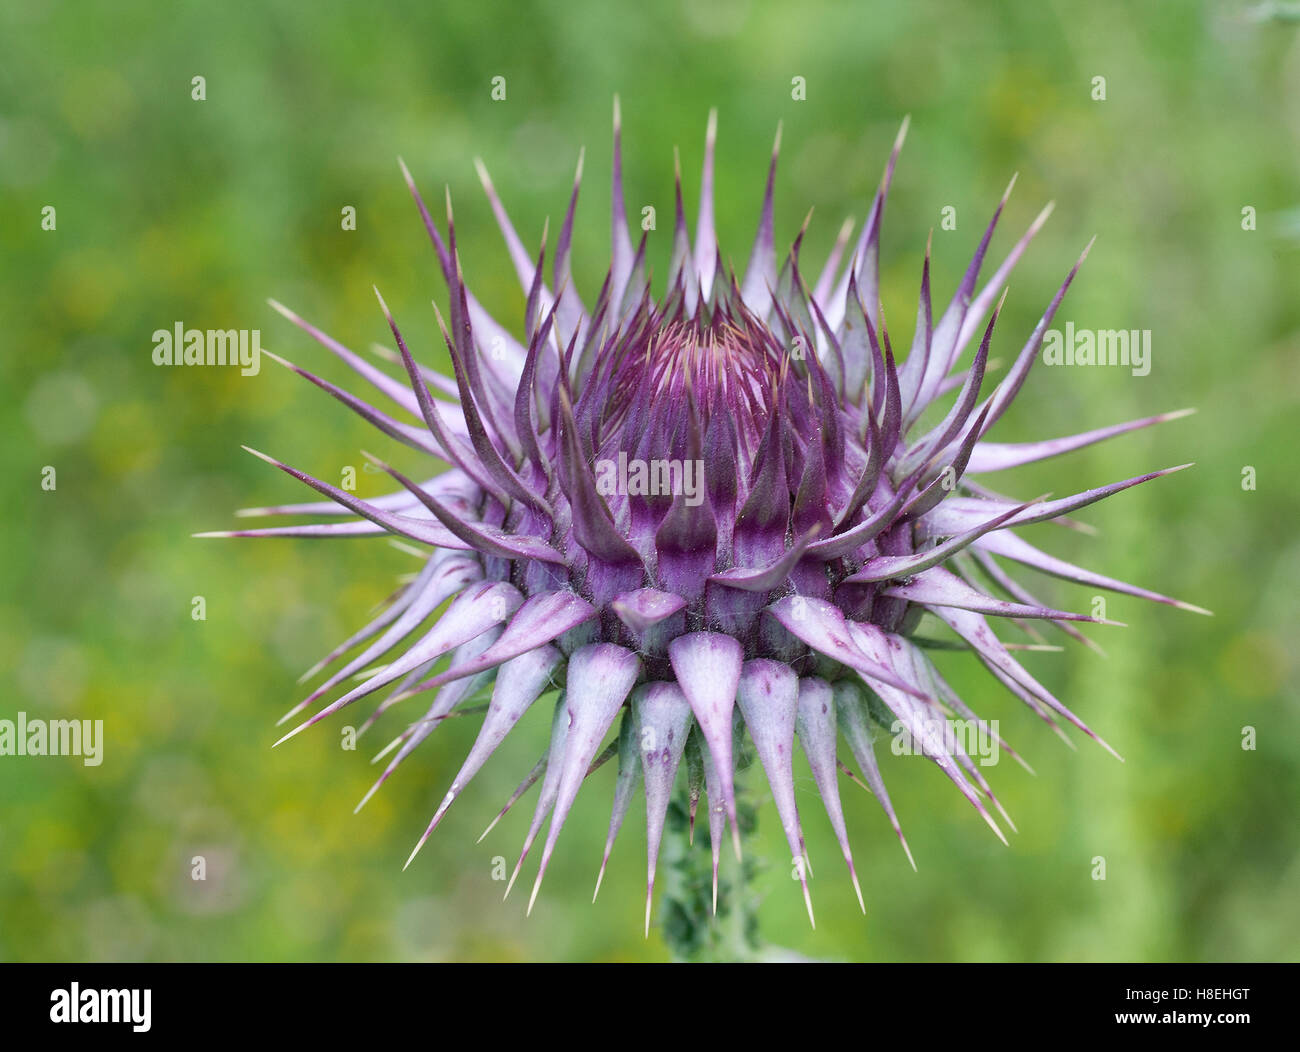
[{"x": 701, "y": 515}]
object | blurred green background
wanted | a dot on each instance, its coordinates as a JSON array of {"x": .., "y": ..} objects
[{"x": 171, "y": 209}]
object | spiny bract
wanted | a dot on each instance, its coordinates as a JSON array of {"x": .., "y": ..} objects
[{"x": 777, "y": 595}]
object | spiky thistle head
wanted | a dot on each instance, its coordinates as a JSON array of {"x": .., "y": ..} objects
[{"x": 711, "y": 514}]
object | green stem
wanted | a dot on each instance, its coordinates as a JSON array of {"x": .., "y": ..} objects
[{"x": 689, "y": 927}]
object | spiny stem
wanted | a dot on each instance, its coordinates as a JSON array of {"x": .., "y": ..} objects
[{"x": 689, "y": 927}]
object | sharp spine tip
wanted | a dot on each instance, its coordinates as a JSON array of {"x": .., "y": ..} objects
[
  {"x": 513, "y": 876},
  {"x": 906, "y": 850},
  {"x": 1106, "y": 745}
]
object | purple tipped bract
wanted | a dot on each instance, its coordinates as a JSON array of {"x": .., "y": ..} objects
[{"x": 700, "y": 518}]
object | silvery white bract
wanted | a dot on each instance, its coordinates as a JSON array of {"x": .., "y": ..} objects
[{"x": 783, "y": 604}]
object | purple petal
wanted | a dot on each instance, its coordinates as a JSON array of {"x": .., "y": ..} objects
[
  {"x": 851, "y": 713},
  {"x": 519, "y": 683},
  {"x": 599, "y": 678},
  {"x": 444, "y": 701},
  {"x": 958, "y": 513},
  {"x": 768, "y": 697},
  {"x": 998, "y": 456},
  {"x": 917, "y": 721},
  {"x": 815, "y": 723},
  {"x": 382, "y": 381},
  {"x": 476, "y": 609},
  {"x": 939, "y": 587},
  {"x": 1012, "y": 547},
  {"x": 422, "y": 531},
  {"x": 884, "y": 567},
  {"x": 760, "y": 274},
  {"x": 765, "y": 578},
  {"x": 560, "y": 723},
  {"x": 645, "y": 607},
  {"x": 663, "y": 721},
  {"x": 822, "y": 626},
  {"x": 976, "y": 631},
  {"x": 707, "y": 667},
  {"x": 540, "y": 620},
  {"x": 865, "y": 260},
  {"x": 442, "y": 577},
  {"x": 629, "y": 769}
]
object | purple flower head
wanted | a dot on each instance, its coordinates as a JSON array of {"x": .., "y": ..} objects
[{"x": 700, "y": 517}]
